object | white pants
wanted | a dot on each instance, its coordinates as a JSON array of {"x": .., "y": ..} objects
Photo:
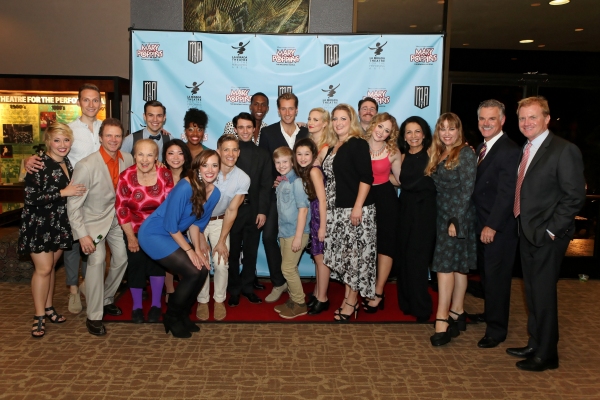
[{"x": 221, "y": 269}]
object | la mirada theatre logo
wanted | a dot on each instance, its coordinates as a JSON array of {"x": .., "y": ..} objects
[
  {"x": 423, "y": 56},
  {"x": 193, "y": 98},
  {"x": 150, "y": 52},
  {"x": 238, "y": 96},
  {"x": 330, "y": 93},
  {"x": 286, "y": 56},
  {"x": 239, "y": 60},
  {"x": 377, "y": 60}
]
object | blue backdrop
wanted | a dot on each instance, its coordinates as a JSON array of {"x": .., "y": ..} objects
[{"x": 219, "y": 72}]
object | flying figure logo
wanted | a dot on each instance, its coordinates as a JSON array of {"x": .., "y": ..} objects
[
  {"x": 195, "y": 87},
  {"x": 331, "y": 91},
  {"x": 378, "y": 48},
  {"x": 241, "y": 47}
]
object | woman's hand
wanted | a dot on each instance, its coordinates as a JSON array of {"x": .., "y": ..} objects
[
  {"x": 356, "y": 216},
  {"x": 195, "y": 258},
  {"x": 73, "y": 189},
  {"x": 451, "y": 230},
  {"x": 203, "y": 259},
  {"x": 132, "y": 244},
  {"x": 321, "y": 233}
]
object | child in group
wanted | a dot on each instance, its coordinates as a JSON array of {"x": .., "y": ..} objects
[
  {"x": 313, "y": 179},
  {"x": 293, "y": 219}
]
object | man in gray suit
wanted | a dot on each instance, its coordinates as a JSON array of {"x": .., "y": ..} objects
[
  {"x": 94, "y": 222},
  {"x": 550, "y": 191}
]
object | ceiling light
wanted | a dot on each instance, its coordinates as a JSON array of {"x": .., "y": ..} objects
[
  {"x": 541, "y": 45},
  {"x": 536, "y": 4},
  {"x": 441, "y": 1},
  {"x": 578, "y": 29},
  {"x": 362, "y": 1},
  {"x": 514, "y": 59},
  {"x": 412, "y": 26},
  {"x": 465, "y": 44},
  {"x": 557, "y": 2},
  {"x": 526, "y": 41}
]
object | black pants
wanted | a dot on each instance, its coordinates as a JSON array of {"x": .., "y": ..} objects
[
  {"x": 244, "y": 236},
  {"x": 271, "y": 245},
  {"x": 140, "y": 266}
]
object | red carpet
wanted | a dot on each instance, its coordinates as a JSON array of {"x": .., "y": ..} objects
[{"x": 248, "y": 312}]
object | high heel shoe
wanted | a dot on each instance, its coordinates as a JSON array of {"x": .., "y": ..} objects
[
  {"x": 39, "y": 325},
  {"x": 54, "y": 317},
  {"x": 441, "y": 338},
  {"x": 346, "y": 317},
  {"x": 319, "y": 307},
  {"x": 311, "y": 301},
  {"x": 189, "y": 325},
  {"x": 175, "y": 325},
  {"x": 337, "y": 312},
  {"x": 461, "y": 320},
  {"x": 373, "y": 309}
]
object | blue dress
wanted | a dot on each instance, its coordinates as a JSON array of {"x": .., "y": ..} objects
[{"x": 172, "y": 216}]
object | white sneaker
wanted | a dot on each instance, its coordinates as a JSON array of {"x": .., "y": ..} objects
[
  {"x": 75, "y": 306},
  {"x": 276, "y": 293}
]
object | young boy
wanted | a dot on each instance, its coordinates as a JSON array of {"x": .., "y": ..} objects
[{"x": 293, "y": 219}]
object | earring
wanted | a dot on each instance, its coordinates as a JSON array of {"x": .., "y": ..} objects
[{"x": 199, "y": 176}]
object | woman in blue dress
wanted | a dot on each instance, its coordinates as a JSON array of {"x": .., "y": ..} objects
[{"x": 188, "y": 207}]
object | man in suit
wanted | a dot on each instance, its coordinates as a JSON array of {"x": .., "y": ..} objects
[
  {"x": 550, "y": 192},
  {"x": 282, "y": 133},
  {"x": 94, "y": 222},
  {"x": 494, "y": 196},
  {"x": 155, "y": 116},
  {"x": 252, "y": 214}
]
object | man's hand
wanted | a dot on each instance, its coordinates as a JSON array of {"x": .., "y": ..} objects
[
  {"x": 487, "y": 235},
  {"x": 87, "y": 245},
  {"x": 260, "y": 220},
  {"x": 296, "y": 244},
  {"x": 33, "y": 164},
  {"x": 220, "y": 252}
]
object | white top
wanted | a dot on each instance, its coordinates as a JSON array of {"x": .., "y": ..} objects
[
  {"x": 237, "y": 182},
  {"x": 85, "y": 142},
  {"x": 290, "y": 139},
  {"x": 490, "y": 143}
]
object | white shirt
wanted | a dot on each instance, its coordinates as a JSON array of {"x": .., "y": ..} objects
[
  {"x": 85, "y": 142},
  {"x": 490, "y": 143},
  {"x": 236, "y": 182},
  {"x": 535, "y": 146},
  {"x": 127, "y": 146},
  {"x": 291, "y": 140}
]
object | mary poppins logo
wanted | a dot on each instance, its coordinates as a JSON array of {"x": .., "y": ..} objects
[
  {"x": 150, "y": 51},
  {"x": 286, "y": 56}
]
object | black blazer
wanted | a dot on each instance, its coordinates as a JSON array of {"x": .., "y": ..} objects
[
  {"x": 271, "y": 138},
  {"x": 494, "y": 192},
  {"x": 256, "y": 163},
  {"x": 553, "y": 190}
]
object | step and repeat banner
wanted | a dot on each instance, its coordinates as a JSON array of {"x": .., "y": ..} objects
[{"x": 218, "y": 73}]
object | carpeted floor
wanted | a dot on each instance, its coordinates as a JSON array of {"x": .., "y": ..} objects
[{"x": 291, "y": 361}]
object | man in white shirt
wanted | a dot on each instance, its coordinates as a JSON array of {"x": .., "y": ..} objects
[{"x": 155, "y": 116}]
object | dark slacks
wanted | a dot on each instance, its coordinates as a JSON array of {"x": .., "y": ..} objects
[
  {"x": 541, "y": 269},
  {"x": 271, "y": 245},
  {"x": 243, "y": 237}
]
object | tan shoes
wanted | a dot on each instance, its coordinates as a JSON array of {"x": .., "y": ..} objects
[
  {"x": 220, "y": 312},
  {"x": 202, "y": 311},
  {"x": 276, "y": 293},
  {"x": 293, "y": 310},
  {"x": 75, "y": 306}
]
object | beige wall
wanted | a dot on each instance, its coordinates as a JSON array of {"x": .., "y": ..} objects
[{"x": 65, "y": 37}]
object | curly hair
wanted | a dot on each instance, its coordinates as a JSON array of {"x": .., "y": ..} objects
[
  {"x": 198, "y": 117},
  {"x": 438, "y": 147},
  {"x": 391, "y": 140},
  {"x": 304, "y": 172},
  {"x": 425, "y": 128},
  {"x": 198, "y": 185},
  {"x": 187, "y": 156}
]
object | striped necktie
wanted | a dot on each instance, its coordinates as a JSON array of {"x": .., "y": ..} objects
[
  {"x": 482, "y": 153},
  {"x": 521, "y": 176}
]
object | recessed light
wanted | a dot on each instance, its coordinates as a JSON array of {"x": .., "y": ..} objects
[
  {"x": 465, "y": 44},
  {"x": 541, "y": 45},
  {"x": 559, "y": 2},
  {"x": 526, "y": 41},
  {"x": 412, "y": 26},
  {"x": 441, "y": 1},
  {"x": 578, "y": 29},
  {"x": 514, "y": 58},
  {"x": 362, "y": 1},
  {"x": 536, "y": 4}
]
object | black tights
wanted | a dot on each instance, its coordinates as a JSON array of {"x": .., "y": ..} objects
[{"x": 191, "y": 281}]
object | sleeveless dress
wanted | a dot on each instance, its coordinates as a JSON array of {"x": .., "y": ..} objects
[
  {"x": 316, "y": 247},
  {"x": 44, "y": 221}
]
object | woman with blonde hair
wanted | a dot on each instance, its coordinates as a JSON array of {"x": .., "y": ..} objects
[
  {"x": 45, "y": 231},
  {"x": 350, "y": 243},
  {"x": 453, "y": 167},
  {"x": 321, "y": 132}
]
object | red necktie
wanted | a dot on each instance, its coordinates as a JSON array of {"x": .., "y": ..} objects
[
  {"x": 522, "y": 167},
  {"x": 482, "y": 153}
]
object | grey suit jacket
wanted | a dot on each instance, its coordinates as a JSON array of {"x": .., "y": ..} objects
[
  {"x": 553, "y": 191},
  {"x": 93, "y": 213}
]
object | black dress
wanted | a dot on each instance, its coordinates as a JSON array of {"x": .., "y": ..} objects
[
  {"x": 44, "y": 221},
  {"x": 416, "y": 235}
]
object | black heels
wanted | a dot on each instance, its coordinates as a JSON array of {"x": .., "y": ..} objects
[
  {"x": 441, "y": 338},
  {"x": 373, "y": 309},
  {"x": 311, "y": 301},
  {"x": 176, "y": 326},
  {"x": 189, "y": 325},
  {"x": 346, "y": 317},
  {"x": 54, "y": 317},
  {"x": 318, "y": 307},
  {"x": 39, "y": 326},
  {"x": 461, "y": 320}
]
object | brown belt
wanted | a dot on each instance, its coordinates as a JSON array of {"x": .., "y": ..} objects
[{"x": 217, "y": 217}]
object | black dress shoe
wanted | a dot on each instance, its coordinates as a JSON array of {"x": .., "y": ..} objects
[
  {"x": 524, "y": 352},
  {"x": 252, "y": 298},
  {"x": 537, "y": 365},
  {"x": 488, "y": 342},
  {"x": 234, "y": 300},
  {"x": 477, "y": 318},
  {"x": 137, "y": 316},
  {"x": 154, "y": 314},
  {"x": 257, "y": 285},
  {"x": 319, "y": 307},
  {"x": 112, "y": 309},
  {"x": 95, "y": 327}
]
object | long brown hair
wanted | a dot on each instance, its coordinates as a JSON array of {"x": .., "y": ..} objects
[
  {"x": 198, "y": 185},
  {"x": 438, "y": 147},
  {"x": 391, "y": 141},
  {"x": 304, "y": 172}
]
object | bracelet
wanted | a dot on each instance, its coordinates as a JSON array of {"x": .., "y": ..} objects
[{"x": 188, "y": 249}]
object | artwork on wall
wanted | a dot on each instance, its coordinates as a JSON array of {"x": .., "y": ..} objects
[{"x": 266, "y": 16}]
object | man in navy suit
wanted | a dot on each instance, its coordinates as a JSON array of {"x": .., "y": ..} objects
[
  {"x": 550, "y": 192},
  {"x": 283, "y": 133},
  {"x": 494, "y": 196}
]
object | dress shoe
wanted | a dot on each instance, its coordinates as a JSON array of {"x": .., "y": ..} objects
[
  {"x": 252, "y": 298},
  {"x": 154, "y": 314},
  {"x": 137, "y": 316},
  {"x": 477, "y": 318},
  {"x": 488, "y": 342},
  {"x": 112, "y": 309},
  {"x": 319, "y": 307},
  {"x": 311, "y": 300},
  {"x": 257, "y": 285},
  {"x": 523, "y": 352},
  {"x": 234, "y": 300},
  {"x": 95, "y": 327},
  {"x": 537, "y": 365},
  {"x": 441, "y": 338},
  {"x": 175, "y": 325},
  {"x": 461, "y": 320}
]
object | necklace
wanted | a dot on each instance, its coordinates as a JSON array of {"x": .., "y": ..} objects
[{"x": 376, "y": 153}]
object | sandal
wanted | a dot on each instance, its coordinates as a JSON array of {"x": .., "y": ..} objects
[
  {"x": 54, "y": 317},
  {"x": 346, "y": 317},
  {"x": 40, "y": 326}
]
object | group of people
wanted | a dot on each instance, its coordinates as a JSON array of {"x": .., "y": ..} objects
[{"x": 330, "y": 182}]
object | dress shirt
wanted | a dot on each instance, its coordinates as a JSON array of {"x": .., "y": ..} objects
[
  {"x": 127, "y": 145},
  {"x": 535, "y": 145},
  {"x": 490, "y": 143},
  {"x": 112, "y": 164},
  {"x": 85, "y": 142},
  {"x": 291, "y": 140}
]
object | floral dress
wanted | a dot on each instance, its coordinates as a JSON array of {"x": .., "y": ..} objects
[{"x": 44, "y": 221}]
